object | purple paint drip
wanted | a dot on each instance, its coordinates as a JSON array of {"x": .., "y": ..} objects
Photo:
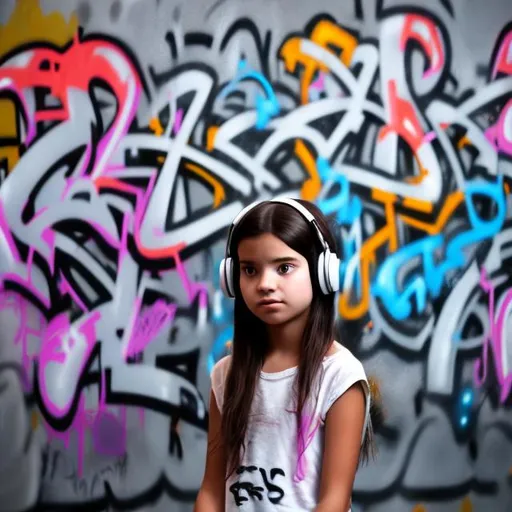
[
  {"x": 304, "y": 437},
  {"x": 65, "y": 287},
  {"x": 19, "y": 306},
  {"x": 53, "y": 351},
  {"x": 494, "y": 340},
  {"x": 147, "y": 327},
  {"x": 15, "y": 278},
  {"x": 4, "y": 228},
  {"x": 178, "y": 119}
]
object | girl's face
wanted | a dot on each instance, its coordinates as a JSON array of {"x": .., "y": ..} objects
[{"x": 274, "y": 279}]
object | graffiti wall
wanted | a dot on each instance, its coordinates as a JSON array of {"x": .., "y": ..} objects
[{"x": 132, "y": 132}]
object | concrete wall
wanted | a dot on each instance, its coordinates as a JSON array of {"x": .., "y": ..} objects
[{"x": 131, "y": 133}]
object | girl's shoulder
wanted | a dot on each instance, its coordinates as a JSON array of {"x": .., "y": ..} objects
[
  {"x": 339, "y": 357},
  {"x": 220, "y": 369},
  {"x": 340, "y": 370},
  {"x": 218, "y": 379}
]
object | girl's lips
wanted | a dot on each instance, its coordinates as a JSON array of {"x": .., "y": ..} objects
[{"x": 268, "y": 302}]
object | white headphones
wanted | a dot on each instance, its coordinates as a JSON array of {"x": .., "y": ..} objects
[{"x": 328, "y": 268}]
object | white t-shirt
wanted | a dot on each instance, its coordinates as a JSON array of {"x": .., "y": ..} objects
[{"x": 271, "y": 477}]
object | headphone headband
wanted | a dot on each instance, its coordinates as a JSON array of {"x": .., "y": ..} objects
[{"x": 290, "y": 202}]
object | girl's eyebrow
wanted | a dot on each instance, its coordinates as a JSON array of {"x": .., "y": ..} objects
[{"x": 283, "y": 259}]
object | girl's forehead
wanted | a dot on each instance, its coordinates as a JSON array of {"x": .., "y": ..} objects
[{"x": 266, "y": 246}]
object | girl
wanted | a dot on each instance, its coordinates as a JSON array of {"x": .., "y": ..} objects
[{"x": 289, "y": 409}]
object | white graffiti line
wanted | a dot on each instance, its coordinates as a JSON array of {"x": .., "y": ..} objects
[
  {"x": 295, "y": 125},
  {"x": 18, "y": 186},
  {"x": 442, "y": 113},
  {"x": 125, "y": 71},
  {"x": 412, "y": 342},
  {"x": 79, "y": 253},
  {"x": 443, "y": 348}
]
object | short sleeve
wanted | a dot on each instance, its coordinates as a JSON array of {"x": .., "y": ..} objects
[
  {"x": 218, "y": 380},
  {"x": 346, "y": 372}
]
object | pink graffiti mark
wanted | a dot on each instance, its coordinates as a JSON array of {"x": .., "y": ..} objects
[
  {"x": 319, "y": 83},
  {"x": 426, "y": 33},
  {"x": 148, "y": 325},
  {"x": 429, "y": 137},
  {"x": 68, "y": 348},
  {"x": 65, "y": 350},
  {"x": 5, "y": 234},
  {"x": 317, "y": 87},
  {"x": 500, "y": 133},
  {"x": 108, "y": 432},
  {"x": 503, "y": 61},
  {"x": 66, "y": 288},
  {"x": 141, "y": 201},
  {"x": 495, "y": 340},
  {"x": 178, "y": 120},
  {"x": 192, "y": 289},
  {"x": 403, "y": 120},
  {"x": 76, "y": 67},
  {"x": 19, "y": 306},
  {"x": 11, "y": 276}
]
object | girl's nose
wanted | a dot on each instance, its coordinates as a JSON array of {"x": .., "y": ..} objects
[{"x": 267, "y": 281}]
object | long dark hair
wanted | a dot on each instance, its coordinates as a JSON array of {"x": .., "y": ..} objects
[{"x": 249, "y": 347}]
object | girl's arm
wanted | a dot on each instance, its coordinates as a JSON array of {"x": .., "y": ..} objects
[
  {"x": 212, "y": 492},
  {"x": 344, "y": 425}
]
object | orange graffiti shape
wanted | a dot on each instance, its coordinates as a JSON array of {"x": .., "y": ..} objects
[
  {"x": 312, "y": 186},
  {"x": 327, "y": 35},
  {"x": 387, "y": 236}
]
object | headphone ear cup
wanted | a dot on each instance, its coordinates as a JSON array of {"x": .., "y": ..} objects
[
  {"x": 226, "y": 277},
  {"x": 333, "y": 271},
  {"x": 320, "y": 270}
]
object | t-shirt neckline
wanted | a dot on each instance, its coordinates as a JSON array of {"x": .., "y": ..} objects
[{"x": 290, "y": 371}]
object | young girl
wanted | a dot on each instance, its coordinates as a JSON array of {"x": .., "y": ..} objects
[{"x": 289, "y": 409}]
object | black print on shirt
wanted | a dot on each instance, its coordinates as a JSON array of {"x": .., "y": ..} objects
[{"x": 243, "y": 491}]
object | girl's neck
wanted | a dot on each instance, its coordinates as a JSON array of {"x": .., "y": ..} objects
[{"x": 286, "y": 338}]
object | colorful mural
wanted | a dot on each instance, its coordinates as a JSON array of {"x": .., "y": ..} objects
[{"x": 132, "y": 132}]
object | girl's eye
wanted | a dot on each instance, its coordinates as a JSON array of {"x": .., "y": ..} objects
[
  {"x": 249, "y": 271},
  {"x": 285, "y": 268}
]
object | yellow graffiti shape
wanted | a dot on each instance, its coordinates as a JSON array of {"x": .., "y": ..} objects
[
  {"x": 28, "y": 23},
  {"x": 155, "y": 126},
  {"x": 423, "y": 173},
  {"x": 211, "y": 133},
  {"x": 9, "y": 150},
  {"x": 34, "y": 420},
  {"x": 374, "y": 388},
  {"x": 218, "y": 190},
  {"x": 463, "y": 142},
  {"x": 312, "y": 186},
  {"x": 419, "y": 508},
  {"x": 466, "y": 505}
]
